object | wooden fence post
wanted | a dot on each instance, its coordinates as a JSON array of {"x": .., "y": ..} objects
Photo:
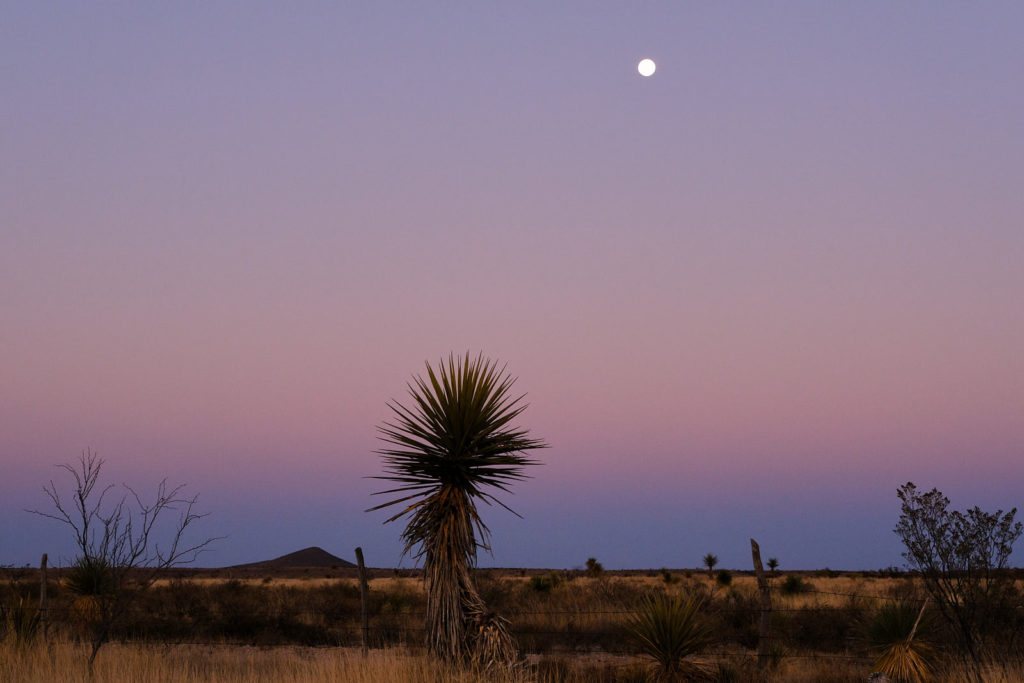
[
  {"x": 364, "y": 599},
  {"x": 42, "y": 596},
  {"x": 764, "y": 628}
]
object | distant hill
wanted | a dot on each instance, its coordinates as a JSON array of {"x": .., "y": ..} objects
[{"x": 308, "y": 557}]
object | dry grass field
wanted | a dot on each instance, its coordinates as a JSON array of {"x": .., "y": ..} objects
[
  {"x": 136, "y": 663},
  {"x": 305, "y": 626}
]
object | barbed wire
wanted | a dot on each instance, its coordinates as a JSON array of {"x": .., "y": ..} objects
[
  {"x": 68, "y": 611},
  {"x": 867, "y": 596}
]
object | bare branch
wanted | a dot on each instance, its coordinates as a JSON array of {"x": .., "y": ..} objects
[{"x": 119, "y": 539}]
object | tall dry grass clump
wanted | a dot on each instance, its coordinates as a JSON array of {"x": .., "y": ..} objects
[{"x": 23, "y": 622}]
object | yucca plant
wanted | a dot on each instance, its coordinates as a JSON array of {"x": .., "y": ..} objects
[
  {"x": 90, "y": 576},
  {"x": 91, "y": 580},
  {"x": 668, "y": 629},
  {"x": 898, "y": 633},
  {"x": 451, "y": 449}
]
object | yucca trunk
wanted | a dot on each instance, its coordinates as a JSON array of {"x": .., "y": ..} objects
[
  {"x": 459, "y": 626},
  {"x": 451, "y": 595}
]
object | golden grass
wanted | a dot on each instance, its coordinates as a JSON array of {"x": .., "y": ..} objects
[
  {"x": 823, "y": 591},
  {"x": 134, "y": 663},
  {"x": 294, "y": 582},
  {"x": 585, "y": 613}
]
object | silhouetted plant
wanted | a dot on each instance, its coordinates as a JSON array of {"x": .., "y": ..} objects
[
  {"x": 723, "y": 578},
  {"x": 962, "y": 558},
  {"x": 773, "y": 564},
  {"x": 446, "y": 453},
  {"x": 545, "y": 583},
  {"x": 92, "y": 582},
  {"x": 710, "y": 561},
  {"x": 668, "y": 629},
  {"x": 794, "y": 585},
  {"x": 117, "y": 541},
  {"x": 90, "y": 576},
  {"x": 594, "y": 568}
]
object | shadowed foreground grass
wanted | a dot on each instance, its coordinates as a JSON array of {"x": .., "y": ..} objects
[
  {"x": 138, "y": 663},
  {"x": 133, "y": 663}
]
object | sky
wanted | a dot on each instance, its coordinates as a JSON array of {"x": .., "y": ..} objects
[{"x": 749, "y": 296}]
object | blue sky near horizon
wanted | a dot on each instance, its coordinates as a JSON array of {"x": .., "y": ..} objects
[{"x": 748, "y": 296}]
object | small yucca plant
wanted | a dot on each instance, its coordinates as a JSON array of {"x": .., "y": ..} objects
[
  {"x": 899, "y": 634},
  {"x": 91, "y": 580},
  {"x": 90, "y": 576},
  {"x": 668, "y": 629}
]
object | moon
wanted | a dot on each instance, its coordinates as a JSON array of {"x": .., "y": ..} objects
[{"x": 646, "y": 67}]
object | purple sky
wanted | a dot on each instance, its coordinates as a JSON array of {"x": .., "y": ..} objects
[{"x": 749, "y": 296}]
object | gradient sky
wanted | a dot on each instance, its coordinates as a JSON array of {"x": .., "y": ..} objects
[{"x": 749, "y": 296}]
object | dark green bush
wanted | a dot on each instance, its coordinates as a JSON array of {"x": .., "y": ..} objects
[
  {"x": 545, "y": 583},
  {"x": 794, "y": 585},
  {"x": 737, "y": 618},
  {"x": 825, "y": 629}
]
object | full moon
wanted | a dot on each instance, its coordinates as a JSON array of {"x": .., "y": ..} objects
[{"x": 646, "y": 67}]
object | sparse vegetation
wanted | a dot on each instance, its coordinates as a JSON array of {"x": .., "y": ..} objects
[
  {"x": 569, "y": 633},
  {"x": 566, "y": 625}
]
